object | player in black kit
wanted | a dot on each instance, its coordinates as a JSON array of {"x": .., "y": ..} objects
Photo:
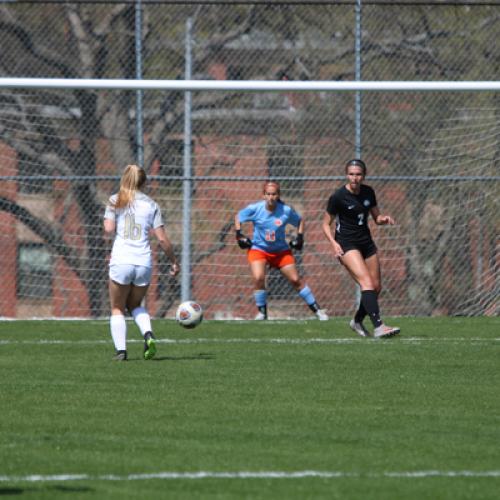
[{"x": 352, "y": 243}]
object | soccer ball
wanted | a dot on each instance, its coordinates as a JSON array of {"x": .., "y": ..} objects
[{"x": 189, "y": 314}]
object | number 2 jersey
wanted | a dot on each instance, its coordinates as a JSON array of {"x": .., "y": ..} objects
[
  {"x": 351, "y": 212},
  {"x": 133, "y": 224},
  {"x": 269, "y": 227}
]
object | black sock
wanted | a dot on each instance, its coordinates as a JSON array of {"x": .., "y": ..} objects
[
  {"x": 314, "y": 307},
  {"x": 360, "y": 313},
  {"x": 370, "y": 303},
  {"x": 263, "y": 310}
]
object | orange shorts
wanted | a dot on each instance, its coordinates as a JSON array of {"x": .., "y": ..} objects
[{"x": 278, "y": 260}]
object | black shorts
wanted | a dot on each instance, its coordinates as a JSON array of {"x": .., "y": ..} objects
[{"x": 367, "y": 248}]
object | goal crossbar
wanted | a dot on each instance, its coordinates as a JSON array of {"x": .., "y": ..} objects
[{"x": 247, "y": 85}]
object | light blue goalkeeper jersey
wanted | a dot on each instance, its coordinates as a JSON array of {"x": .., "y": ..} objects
[{"x": 269, "y": 227}]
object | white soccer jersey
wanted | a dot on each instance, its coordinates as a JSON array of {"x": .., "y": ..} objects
[{"x": 133, "y": 224}]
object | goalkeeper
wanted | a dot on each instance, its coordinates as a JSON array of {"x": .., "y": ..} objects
[{"x": 269, "y": 247}]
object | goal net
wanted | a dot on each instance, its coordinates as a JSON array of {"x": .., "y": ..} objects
[{"x": 432, "y": 159}]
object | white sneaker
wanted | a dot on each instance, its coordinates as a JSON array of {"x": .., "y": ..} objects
[
  {"x": 321, "y": 315},
  {"x": 260, "y": 316},
  {"x": 384, "y": 331},
  {"x": 359, "y": 328}
]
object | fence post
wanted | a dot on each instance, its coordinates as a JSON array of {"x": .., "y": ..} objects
[
  {"x": 139, "y": 92},
  {"x": 357, "y": 52},
  {"x": 187, "y": 182},
  {"x": 357, "y": 105}
]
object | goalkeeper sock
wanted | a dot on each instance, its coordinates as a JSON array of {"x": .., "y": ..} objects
[
  {"x": 370, "y": 303},
  {"x": 260, "y": 297},
  {"x": 308, "y": 297},
  {"x": 118, "y": 328},
  {"x": 142, "y": 320}
]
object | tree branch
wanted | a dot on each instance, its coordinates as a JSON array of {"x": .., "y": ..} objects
[
  {"x": 16, "y": 29},
  {"x": 52, "y": 236}
]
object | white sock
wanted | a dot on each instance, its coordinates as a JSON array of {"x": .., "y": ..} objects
[
  {"x": 118, "y": 331},
  {"x": 142, "y": 319}
]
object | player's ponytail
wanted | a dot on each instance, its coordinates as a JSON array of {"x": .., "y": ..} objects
[{"x": 132, "y": 180}]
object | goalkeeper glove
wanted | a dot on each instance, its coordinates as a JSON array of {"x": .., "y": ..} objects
[
  {"x": 242, "y": 240},
  {"x": 297, "y": 243}
]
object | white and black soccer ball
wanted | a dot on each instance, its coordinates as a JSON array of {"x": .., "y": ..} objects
[{"x": 189, "y": 314}]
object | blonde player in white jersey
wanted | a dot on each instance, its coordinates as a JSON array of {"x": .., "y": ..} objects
[{"x": 131, "y": 216}]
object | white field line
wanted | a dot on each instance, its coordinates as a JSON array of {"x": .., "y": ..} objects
[
  {"x": 250, "y": 475},
  {"x": 262, "y": 340}
]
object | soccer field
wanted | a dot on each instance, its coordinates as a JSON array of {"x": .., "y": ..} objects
[{"x": 252, "y": 410}]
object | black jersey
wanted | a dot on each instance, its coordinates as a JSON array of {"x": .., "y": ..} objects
[{"x": 351, "y": 212}]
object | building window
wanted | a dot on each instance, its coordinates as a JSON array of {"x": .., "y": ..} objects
[{"x": 34, "y": 271}]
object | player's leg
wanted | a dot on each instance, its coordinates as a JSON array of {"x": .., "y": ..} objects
[
  {"x": 373, "y": 265},
  {"x": 373, "y": 268},
  {"x": 356, "y": 265},
  {"x": 258, "y": 270},
  {"x": 305, "y": 293},
  {"x": 141, "y": 316},
  {"x": 118, "y": 296}
]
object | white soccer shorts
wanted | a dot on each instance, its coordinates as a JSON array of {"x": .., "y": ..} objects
[{"x": 125, "y": 274}]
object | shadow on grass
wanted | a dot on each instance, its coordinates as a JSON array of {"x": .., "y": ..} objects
[
  {"x": 55, "y": 487},
  {"x": 202, "y": 356}
]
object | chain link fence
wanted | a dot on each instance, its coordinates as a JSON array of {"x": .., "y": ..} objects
[{"x": 433, "y": 158}]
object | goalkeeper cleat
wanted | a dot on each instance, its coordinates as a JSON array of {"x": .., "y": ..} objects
[
  {"x": 260, "y": 316},
  {"x": 149, "y": 346},
  {"x": 321, "y": 315},
  {"x": 120, "y": 356},
  {"x": 384, "y": 331},
  {"x": 359, "y": 328}
]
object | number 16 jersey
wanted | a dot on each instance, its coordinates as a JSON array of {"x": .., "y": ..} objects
[{"x": 133, "y": 224}]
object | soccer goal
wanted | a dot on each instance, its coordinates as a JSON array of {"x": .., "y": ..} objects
[{"x": 432, "y": 150}]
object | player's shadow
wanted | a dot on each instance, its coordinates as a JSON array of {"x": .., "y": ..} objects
[
  {"x": 11, "y": 491},
  {"x": 55, "y": 487},
  {"x": 202, "y": 356}
]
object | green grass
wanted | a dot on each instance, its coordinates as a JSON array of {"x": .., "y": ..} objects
[{"x": 252, "y": 397}]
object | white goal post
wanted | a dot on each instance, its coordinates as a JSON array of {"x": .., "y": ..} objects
[
  {"x": 249, "y": 85},
  {"x": 426, "y": 156}
]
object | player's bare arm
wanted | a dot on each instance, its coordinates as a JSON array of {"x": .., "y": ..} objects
[
  {"x": 381, "y": 220},
  {"x": 241, "y": 239},
  {"x": 237, "y": 224},
  {"x": 109, "y": 226},
  {"x": 298, "y": 242},
  {"x": 167, "y": 247},
  {"x": 327, "y": 230},
  {"x": 302, "y": 227}
]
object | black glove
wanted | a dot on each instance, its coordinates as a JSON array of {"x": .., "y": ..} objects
[
  {"x": 242, "y": 240},
  {"x": 297, "y": 243}
]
